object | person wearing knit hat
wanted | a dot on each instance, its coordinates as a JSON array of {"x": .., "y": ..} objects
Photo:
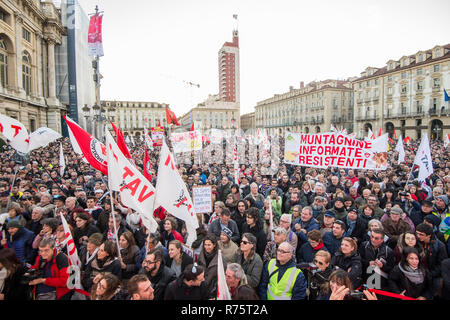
[
  {"x": 227, "y": 232},
  {"x": 88, "y": 252},
  {"x": 228, "y": 247},
  {"x": 21, "y": 240}
]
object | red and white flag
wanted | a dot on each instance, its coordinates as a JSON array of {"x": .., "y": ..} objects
[
  {"x": 446, "y": 140},
  {"x": 401, "y": 150},
  {"x": 136, "y": 192},
  {"x": 172, "y": 194},
  {"x": 423, "y": 159},
  {"x": 222, "y": 288},
  {"x": 71, "y": 248},
  {"x": 148, "y": 139},
  {"x": 95, "y": 45},
  {"x": 19, "y": 139},
  {"x": 62, "y": 162},
  {"x": 92, "y": 150},
  {"x": 147, "y": 166}
]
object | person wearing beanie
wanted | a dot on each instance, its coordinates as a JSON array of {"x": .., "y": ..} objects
[
  {"x": 434, "y": 222},
  {"x": 49, "y": 226},
  {"x": 394, "y": 226},
  {"x": 441, "y": 207},
  {"x": 418, "y": 212},
  {"x": 21, "y": 240},
  {"x": 339, "y": 208},
  {"x": 228, "y": 247},
  {"x": 88, "y": 252}
]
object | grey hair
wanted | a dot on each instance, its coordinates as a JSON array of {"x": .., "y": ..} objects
[
  {"x": 378, "y": 222},
  {"x": 47, "y": 242},
  {"x": 290, "y": 247},
  {"x": 237, "y": 270},
  {"x": 309, "y": 209}
]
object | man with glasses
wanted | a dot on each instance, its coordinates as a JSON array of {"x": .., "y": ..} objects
[
  {"x": 157, "y": 272},
  {"x": 372, "y": 200},
  {"x": 377, "y": 254},
  {"x": 281, "y": 279}
]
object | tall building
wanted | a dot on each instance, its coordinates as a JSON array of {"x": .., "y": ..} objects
[
  {"x": 405, "y": 95},
  {"x": 309, "y": 109},
  {"x": 30, "y": 34},
  {"x": 221, "y": 111},
  {"x": 248, "y": 121},
  {"x": 229, "y": 80}
]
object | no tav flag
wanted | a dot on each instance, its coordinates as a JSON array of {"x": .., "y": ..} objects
[{"x": 423, "y": 159}]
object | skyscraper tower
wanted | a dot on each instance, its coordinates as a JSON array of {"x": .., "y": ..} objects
[{"x": 229, "y": 82}]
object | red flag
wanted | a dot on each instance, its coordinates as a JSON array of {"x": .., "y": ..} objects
[
  {"x": 122, "y": 145},
  {"x": 115, "y": 129},
  {"x": 379, "y": 133},
  {"x": 147, "y": 166},
  {"x": 192, "y": 127},
  {"x": 93, "y": 151},
  {"x": 407, "y": 139},
  {"x": 395, "y": 134},
  {"x": 159, "y": 123},
  {"x": 171, "y": 118}
]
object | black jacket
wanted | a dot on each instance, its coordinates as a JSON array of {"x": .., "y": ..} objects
[
  {"x": 178, "y": 290},
  {"x": 131, "y": 266},
  {"x": 434, "y": 255},
  {"x": 369, "y": 253},
  {"x": 258, "y": 232},
  {"x": 351, "y": 264},
  {"x": 398, "y": 282},
  {"x": 160, "y": 281},
  {"x": 87, "y": 231},
  {"x": 14, "y": 289},
  {"x": 96, "y": 267}
]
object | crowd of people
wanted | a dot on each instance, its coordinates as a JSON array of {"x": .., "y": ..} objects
[{"x": 335, "y": 234}]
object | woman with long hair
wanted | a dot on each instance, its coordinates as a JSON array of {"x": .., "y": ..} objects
[
  {"x": 129, "y": 253},
  {"x": 239, "y": 215},
  {"x": 11, "y": 285},
  {"x": 177, "y": 260},
  {"x": 170, "y": 232},
  {"x": 208, "y": 259},
  {"x": 410, "y": 278},
  {"x": 408, "y": 240},
  {"x": 106, "y": 287},
  {"x": 250, "y": 261},
  {"x": 348, "y": 259}
]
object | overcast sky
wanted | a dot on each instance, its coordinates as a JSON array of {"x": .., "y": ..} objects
[{"x": 152, "y": 46}]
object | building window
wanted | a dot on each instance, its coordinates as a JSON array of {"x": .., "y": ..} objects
[
  {"x": 389, "y": 78},
  {"x": 403, "y": 75},
  {"x": 26, "y": 34},
  {"x": 420, "y": 58},
  {"x": 436, "y": 82},
  {"x": 404, "y": 88},
  {"x": 389, "y": 89},
  {"x": 403, "y": 108},
  {"x": 419, "y": 71},
  {"x": 437, "y": 53},
  {"x": 26, "y": 73},
  {"x": 436, "y": 68},
  {"x": 420, "y": 85},
  {"x": 3, "y": 64},
  {"x": 376, "y": 82}
]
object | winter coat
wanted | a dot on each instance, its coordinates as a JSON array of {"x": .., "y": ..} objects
[
  {"x": 435, "y": 253},
  {"x": 178, "y": 290},
  {"x": 307, "y": 252},
  {"x": 308, "y": 226},
  {"x": 252, "y": 266},
  {"x": 95, "y": 267},
  {"x": 331, "y": 242},
  {"x": 351, "y": 264},
  {"x": 300, "y": 285},
  {"x": 240, "y": 220},
  {"x": 131, "y": 267},
  {"x": 87, "y": 231},
  {"x": 258, "y": 232},
  {"x": 358, "y": 231},
  {"x": 59, "y": 270},
  {"x": 394, "y": 230},
  {"x": 211, "y": 271},
  {"x": 216, "y": 228},
  {"x": 398, "y": 282},
  {"x": 22, "y": 243},
  {"x": 228, "y": 250},
  {"x": 369, "y": 253},
  {"x": 174, "y": 235},
  {"x": 161, "y": 280},
  {"x": 14, "y": 289}
]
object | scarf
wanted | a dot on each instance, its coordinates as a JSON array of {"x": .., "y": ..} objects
[
  {"x": 415, "y": 276},
  {"x": 111, "y": 236},
  {"x": 319, "y": 246},
  {"x": 89, "y": 256},
  {"x": 60, "y": 245}
]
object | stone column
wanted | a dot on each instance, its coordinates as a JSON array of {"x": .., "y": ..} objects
[
  {"x": 39, "y": 37},
  {"x": 51, "y": 69},
  {"x": 18, "y": 19}
]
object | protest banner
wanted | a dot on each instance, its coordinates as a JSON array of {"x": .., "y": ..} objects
[
  {"x": 335, "y": 150},
  {"x": 186, "y": 141},
  {"x": 157, "y": 135},
  {"x": 201, "y": 196}
]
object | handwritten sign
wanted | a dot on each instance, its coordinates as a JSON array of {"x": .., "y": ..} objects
[{"x": 202, "y": 199}]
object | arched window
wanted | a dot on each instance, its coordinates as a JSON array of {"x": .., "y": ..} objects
[
  {"x": 26, "y": 72},
  {"x": 3, "y": 63}
]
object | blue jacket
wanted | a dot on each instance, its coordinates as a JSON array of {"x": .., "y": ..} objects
[
  {"x": 331, "y": 242},
  {"x": 307, "y": 253},
  {"x": 299, "y": 289},
  {"x": 308, "y": 226},
  {"x": 22, "y": 243}
]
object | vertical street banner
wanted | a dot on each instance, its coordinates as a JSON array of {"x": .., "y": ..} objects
[
  {"x": 95, "y": 44},
  {"x": 335, "y": 150},
  {"x": 157, "y": 135}
]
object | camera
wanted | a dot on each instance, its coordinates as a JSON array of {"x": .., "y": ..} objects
[
  {"x": 357, "y": 294},
  {"x": 33, "y": 274},
  {"x": 404, "y": 193},
  {"x": 308, "y": 266}
]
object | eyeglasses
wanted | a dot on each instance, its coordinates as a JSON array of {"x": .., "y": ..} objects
[
  {"x": 284, "y": 221},
  {"x": 148, "y": 262},
  {"x": 245, "y": 242},
  {"x": 282, "y": 251}
]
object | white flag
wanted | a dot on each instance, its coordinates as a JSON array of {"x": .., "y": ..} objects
[
  {"x": 446, "y": 140},
  {"x": 423, "y": 159},
  {"x": 42, "y": 137},
  {"x": 15, "y": 132},
  {"x": 62, "y": 163},
  {"x": 136, "y": 192},
  {"x": 148, "y": 140},
  {"x": 172, "y": 194},
  {"x": 222, "y": 288},
  {"x": 401, "y": 150}
]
